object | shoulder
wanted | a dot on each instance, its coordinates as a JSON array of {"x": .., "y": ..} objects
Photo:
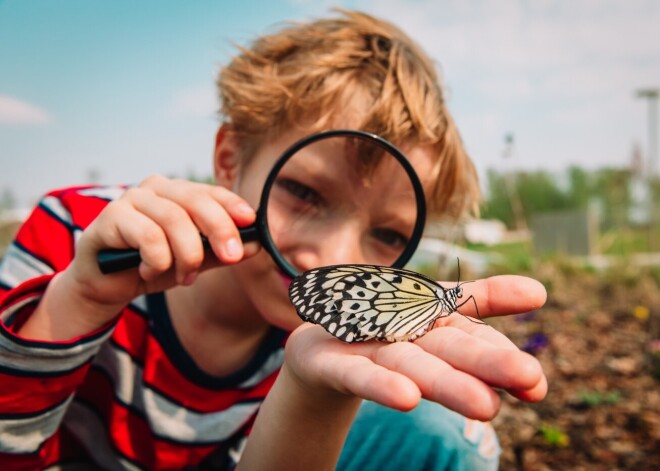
[
  {"x": 45, "y": 242},
  {"x": 78, "y": 206}
]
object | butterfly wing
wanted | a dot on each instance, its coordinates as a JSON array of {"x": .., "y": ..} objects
[{"x": 361, "y": 302}]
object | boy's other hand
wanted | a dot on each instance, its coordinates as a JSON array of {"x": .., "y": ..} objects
[{"x": 457, "y": 364}]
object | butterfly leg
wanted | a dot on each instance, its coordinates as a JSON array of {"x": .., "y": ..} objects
[{"x": 476, "y": 307}]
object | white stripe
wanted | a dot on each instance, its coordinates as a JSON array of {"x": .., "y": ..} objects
[
  {"x": 104, "y": 192},
  {"x": 18, "y": 266},
  {"x": 33, "y": 358},
  {"x": 55, "y": 206},
  {"x": 272, "y": 364},
  {"x": 73, "y": 467},
  {"x": 77, "y": 233},
  {"x": 27, "y": 435},
  {"x": 175, "y": 422},
  {"x": 166, "y": 418},
  {"x": 140, "y": 303},
  {"x": 88, "y": 428}
]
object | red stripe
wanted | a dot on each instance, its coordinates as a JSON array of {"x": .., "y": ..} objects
[
  {"x": 49, "y": 239},
  {"x": 29, "y": 289},
  {"x": 84, "y": 209},
  {"x": 131, "y": 334},
  {"x": 41, "y": 234},
  {"x": 132, "y": 435},
  {"x": 162, "y": 375},
  {"x": 22, "y": 395}
]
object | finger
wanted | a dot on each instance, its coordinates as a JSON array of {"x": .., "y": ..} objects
[
  {"x": 479, "y": 330},
  {"x": 216, "y": 211},
  {"x": 498, "y": 367},
  {"x": 182, "y": 235},
  {"x": 437, "y": 380},
  {"x": 333, "y": 364},
  {"x": 359, "y": 376},
  {"x": 213, "y": 219},
  {"x": 135, "y": 230},
  {"x": 502, "y": 295},
  {"x": 225, "y": 211},
  {"x": 342, "y": 370},
  {"x": 184, "y": 191},
  {"x": 534, "y": 394}
]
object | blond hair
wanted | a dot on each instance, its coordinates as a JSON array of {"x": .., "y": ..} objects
[{"x": 315, "y": 71}]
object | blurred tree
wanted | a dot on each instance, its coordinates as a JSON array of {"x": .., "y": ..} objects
[
  {"x": 497, "y": 204},
  {"x": 541, "y": 192},
  {"x": 580, "y": 189},
  {"x": 7, "y": 199}
]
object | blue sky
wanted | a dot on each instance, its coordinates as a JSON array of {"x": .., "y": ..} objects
[{"x": 118, "y": 90}]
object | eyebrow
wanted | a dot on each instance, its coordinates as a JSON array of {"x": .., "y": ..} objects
[{"x": 325, "y": 170}]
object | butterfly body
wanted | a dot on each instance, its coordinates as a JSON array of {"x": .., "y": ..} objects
[{"x": 356, "y": 303}]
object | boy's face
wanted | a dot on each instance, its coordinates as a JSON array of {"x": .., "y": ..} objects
[{"x": 324, "y": 209}]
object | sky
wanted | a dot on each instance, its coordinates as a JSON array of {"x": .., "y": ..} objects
[{"x": 114, "y": 91}]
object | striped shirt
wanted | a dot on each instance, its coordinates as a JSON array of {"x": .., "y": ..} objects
[{"x": 127, "y": 396}]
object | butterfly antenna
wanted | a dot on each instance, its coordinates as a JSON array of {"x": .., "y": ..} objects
[{"x": 458, "y": 281}]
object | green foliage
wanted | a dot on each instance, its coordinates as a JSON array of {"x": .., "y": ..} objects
[
  {"x": 589, "y": 398},
  {"x": 516, "y": 257},
  {"x": 554, "y": 436},
  {"x": 542, "y": 191}
]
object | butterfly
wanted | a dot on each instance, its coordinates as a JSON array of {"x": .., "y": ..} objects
[{"x": 356, "y": 303}]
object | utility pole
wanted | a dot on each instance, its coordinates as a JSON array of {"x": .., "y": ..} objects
[{"x": 651, "y": 95}]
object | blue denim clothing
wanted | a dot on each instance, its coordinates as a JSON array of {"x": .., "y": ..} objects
[{"x": 428, "y": 438}]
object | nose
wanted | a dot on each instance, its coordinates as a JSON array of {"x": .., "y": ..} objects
[{"x": 340, "y": 245}]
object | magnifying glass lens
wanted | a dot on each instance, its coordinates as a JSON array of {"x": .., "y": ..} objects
[{"x": 341, "y": 200}]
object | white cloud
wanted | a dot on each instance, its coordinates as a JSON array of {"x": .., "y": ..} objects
[{"x": 14, "y": 111}]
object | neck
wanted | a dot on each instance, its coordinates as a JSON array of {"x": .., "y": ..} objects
[{"x": 211, "y": 315}]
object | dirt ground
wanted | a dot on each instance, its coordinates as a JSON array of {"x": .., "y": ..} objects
[{"x": 597, "y": 338}]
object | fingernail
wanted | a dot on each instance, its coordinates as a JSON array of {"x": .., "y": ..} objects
[
  {"x": 233, "y": 248},
  {"x": 245, "y": 208}
]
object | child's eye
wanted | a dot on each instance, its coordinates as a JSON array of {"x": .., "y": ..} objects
[
  {"x": 299, "y": 191},
  {"x": 389, "y": 237}
]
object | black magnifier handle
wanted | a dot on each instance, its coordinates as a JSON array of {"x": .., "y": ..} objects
[{"x": 114, "y": 260}]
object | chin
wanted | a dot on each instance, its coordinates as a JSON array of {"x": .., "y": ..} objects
[{"x": 285, "y": 319}]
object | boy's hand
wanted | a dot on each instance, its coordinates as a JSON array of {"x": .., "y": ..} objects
[
  {"x": 457, "y": 364},
  {"x": 162, "y": 218}
]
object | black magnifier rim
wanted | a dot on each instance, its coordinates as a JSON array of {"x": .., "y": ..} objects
[{"x": 262, "y": 224}]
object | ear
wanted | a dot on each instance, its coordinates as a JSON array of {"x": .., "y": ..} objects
[{"x": 226, "y": 157}]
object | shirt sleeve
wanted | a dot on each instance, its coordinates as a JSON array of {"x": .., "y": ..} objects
[{"x": 38, "y": 379}]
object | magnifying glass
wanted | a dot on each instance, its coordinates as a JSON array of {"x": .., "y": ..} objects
[{"x": 339, "y": 191}]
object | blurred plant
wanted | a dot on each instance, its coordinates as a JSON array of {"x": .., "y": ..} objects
[
  {"x": 536, "y": 343},
  {"x": 641, "y": 312},
  {"x": 554, "y": 436},
  {"x": 597, "y": 398},
  {"x": 527, "y": 316}
]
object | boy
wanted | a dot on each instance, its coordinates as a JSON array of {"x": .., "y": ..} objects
[{"x": 165, "y": 366}]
